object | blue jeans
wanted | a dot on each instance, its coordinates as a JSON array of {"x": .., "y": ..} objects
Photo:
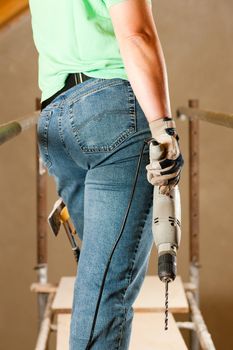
[{"x": 90, "y": 138}]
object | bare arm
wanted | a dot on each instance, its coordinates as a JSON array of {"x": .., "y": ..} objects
[{"x": 142, "y": 55}]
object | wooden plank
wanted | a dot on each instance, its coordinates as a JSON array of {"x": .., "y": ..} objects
[
  {"x": 147, "y": 333},
  {"x": 43, "y": 288},
  {"x": 63, "y": 300},
  {"x": 150, "y": 298},
  {"x": 11, "y": 8},
  {"x": 63, "y": 331}
]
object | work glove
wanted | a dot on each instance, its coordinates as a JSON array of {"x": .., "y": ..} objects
[{"x": 164, "y": 172}]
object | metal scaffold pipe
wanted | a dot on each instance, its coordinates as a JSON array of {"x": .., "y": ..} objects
[
  {"x": 200, "y": 326},
  {"x": 218, "y": 118},
  {"x": 10, "y": 130}
]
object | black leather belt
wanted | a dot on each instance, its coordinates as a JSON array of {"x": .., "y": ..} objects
[{"x": 72, "y": 80}]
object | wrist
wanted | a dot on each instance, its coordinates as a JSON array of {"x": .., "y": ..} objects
[
  {"x": 159, "y": 126},
  {"x": 161, "y": 117}
]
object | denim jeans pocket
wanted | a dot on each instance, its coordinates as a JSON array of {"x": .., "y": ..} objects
[
  {"x": 102, "y": 119},
  {"x": 42, "y": 136}
]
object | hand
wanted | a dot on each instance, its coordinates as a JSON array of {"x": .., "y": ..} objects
[{"x": 164, "y": 132}]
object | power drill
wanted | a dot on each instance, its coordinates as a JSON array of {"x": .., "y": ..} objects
[{"x": 166, "y": 227}]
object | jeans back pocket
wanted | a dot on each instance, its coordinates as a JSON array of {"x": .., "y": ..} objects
[{"x": 104, "y": 116}]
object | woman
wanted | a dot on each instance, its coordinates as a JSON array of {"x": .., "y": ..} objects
[{"x": 104, "y": 92}]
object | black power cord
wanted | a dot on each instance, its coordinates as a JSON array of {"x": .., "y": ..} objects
[{"x": 147, "y": 141}]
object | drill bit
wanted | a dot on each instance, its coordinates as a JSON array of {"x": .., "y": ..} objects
[{"x": 166, "y": 303}]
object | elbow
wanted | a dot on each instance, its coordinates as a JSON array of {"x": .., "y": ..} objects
[{"x": 137, "y": 38}]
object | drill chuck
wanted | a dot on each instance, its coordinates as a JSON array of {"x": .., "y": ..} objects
[{"x": 167, "y": 267}]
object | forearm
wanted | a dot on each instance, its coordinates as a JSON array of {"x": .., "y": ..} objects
[{"x": 146, "y": 69}]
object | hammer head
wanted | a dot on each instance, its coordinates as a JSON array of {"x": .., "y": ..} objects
[{"x": 54, "y": 219}]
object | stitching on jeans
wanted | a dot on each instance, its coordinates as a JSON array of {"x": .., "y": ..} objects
[
  {"x": 42, "y": 130},
  {"x": 123, "y": 136},
  {"x": 120, "y": 334},
  {"x": 59, "y": 122},
  {"x": 132, "y": 105},
  {"x": 73, "y": 98},
  {"x": 131, "y": 271}
]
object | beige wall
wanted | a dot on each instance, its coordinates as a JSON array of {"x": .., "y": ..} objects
[{"x": 197, "y": 41}]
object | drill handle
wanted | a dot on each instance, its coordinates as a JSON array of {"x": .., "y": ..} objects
[{"x": 157, "y": 151}]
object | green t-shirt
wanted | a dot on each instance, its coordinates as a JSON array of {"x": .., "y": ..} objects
[{"x": 74, "y": 36}]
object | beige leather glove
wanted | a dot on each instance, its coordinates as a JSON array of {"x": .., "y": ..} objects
[{"x": 164, "y": 172}]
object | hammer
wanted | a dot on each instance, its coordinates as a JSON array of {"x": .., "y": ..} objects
[{"x": 59, "y": 215}]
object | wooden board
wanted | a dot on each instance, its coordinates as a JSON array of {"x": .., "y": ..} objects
[
  {"x": 147, "y": 333},
  {"x": 63, "y": 299},
  {"x": 63, "y": 331},
  {"x": 150, "y": 298}
]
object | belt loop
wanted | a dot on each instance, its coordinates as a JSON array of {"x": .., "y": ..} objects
[
  {"x": 75, "y": 77},
  {"x": 80, "y": 76}
]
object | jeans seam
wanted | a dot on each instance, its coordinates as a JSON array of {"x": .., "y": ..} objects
[
  {"x": 120, "y": 334},
  {"x": 44, "y": 137},
  {"x": 132, "y": 105},
  {"x": 60, "y": 133},
  {"x": 71, "y": 99}
]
